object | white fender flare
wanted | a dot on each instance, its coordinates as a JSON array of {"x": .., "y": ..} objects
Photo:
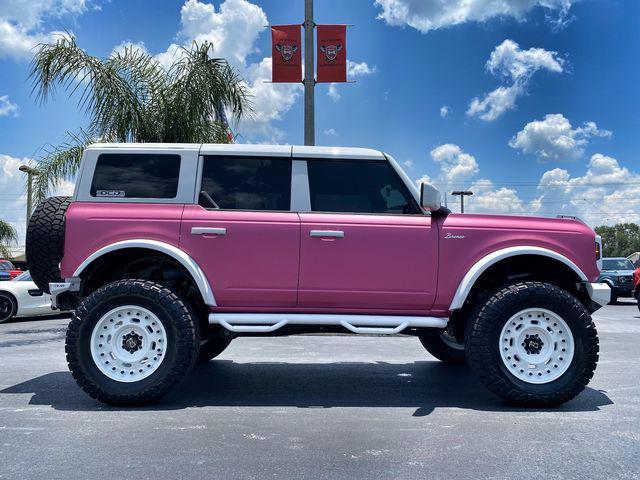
[
  {"x": 179, "y": 255},
  {"x": 487, "y": 261}
]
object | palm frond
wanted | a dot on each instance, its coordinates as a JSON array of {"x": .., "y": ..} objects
[
  {"x": 59, "y": 163},
  {"x": 103, "y": 93},
  {"x": 201, "y": 86},
  {"x": 130, "y": 97},
  {"x": 8, "y": 235}
]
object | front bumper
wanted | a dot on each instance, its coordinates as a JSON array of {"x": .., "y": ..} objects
[
  {"x": 60, "y": 289},
  {"x": 600, "y": 293},
  {"x": 623, "y": 290}
]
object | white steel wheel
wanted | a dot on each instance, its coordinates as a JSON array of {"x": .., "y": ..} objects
[
  {"x": 536, "y": 345},
  {"x": 128, "y": 343}
]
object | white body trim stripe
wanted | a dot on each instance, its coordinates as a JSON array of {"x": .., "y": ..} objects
[
  {"x": 185, "y": 260},
  {"x": 481, "y": 265},
  {"x": 270, "y": 322}
]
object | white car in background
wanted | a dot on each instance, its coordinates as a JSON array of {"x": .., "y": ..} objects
[{"x": 22, "y": 298}]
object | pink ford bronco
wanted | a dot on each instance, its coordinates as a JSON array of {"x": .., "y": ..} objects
[{"x": 169, "y": 252}]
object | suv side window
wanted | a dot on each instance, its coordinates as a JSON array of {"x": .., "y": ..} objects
[
  {"x": 241, "y": 183},
  {"x": 136, "y": 175},
  {"x": 358, "y": 186}
]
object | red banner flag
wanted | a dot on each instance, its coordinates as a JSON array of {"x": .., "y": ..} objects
[
  {"x": 332, "y": 53},
  {"x": 286, "y": 53}
]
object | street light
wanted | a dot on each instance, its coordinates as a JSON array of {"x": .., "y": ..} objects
[
  {"x": 31, "y": 172},
  {"x": 462, "y": 194}
]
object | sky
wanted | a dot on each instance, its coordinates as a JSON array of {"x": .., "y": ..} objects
[{"x": 534, "y": 105}]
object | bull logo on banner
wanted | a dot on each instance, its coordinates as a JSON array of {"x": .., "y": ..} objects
[
  {"x": 286, "y": 51},
  {"x": 331, "y": 51}
]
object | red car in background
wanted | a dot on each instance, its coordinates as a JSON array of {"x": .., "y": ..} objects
[{"x": 7, "y": 266}]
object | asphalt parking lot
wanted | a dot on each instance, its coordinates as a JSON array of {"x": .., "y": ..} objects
[{"x": 316, "y": 407}]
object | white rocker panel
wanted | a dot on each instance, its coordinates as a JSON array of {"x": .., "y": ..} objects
[{"x": 270, "y": 322}]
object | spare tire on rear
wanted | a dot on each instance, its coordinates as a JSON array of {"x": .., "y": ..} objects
[{"x": 45, "y": 241}]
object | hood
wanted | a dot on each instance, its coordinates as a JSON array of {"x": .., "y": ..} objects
[
  {"x": 521, "y": 222},
  {"x": 619, "y": 272}
]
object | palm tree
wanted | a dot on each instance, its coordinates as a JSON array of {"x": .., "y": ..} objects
[
  {"x": 131, "y": 97},
  {"x": 8, "y": 235}
]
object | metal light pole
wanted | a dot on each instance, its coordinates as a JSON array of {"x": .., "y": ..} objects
[
  {"x": 462, "y": 194},
  {"x": 309, "y": 80},
  {"x": 30, "y": 174}
]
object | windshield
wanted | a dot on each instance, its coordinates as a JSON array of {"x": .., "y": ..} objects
[
  {"x": 6, "y": 265},
  {"x": 23, "y": 277},
  {"x": 617, "y": 264}
]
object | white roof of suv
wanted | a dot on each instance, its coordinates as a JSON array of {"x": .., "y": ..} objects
[{"x": 252, "y": 150}]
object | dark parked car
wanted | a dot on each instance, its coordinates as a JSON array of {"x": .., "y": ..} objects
[{"x": 618, "y": 274}]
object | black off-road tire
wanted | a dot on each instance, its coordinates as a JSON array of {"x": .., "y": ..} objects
[
  {"x": 483, "y": 343},
  {"x": 210, "y": 349},
  {"x": 444, "y": 348},
  {"x": 614, "y": 299},
  {"x": 45, "y": 241},
  {"x": 8, "y": 306},
  {"x": 182, "y": 342}
]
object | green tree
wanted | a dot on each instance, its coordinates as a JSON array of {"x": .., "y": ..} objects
[
  {"x": 130, "y": 97},
  {"x": 620, "y": 240},
  {"x": 8, "y": 236}
]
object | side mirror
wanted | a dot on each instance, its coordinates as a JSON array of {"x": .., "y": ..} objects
[{"x": 430, "y": 197}]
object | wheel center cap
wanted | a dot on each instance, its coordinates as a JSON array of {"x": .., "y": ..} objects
[
  {"x": 533, "y": 344},
  {"x": 132, "y": 342}
]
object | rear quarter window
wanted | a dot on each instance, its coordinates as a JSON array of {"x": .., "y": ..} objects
[{"x": 135, "y": 175}]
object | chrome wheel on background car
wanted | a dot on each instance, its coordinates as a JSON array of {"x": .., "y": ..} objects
[
  {"x": 532, "y": 344},
  {"x": 8, "y": 307}
]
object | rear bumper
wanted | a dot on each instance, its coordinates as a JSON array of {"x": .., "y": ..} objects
[
  {"x": 60, "y": 289},
  {"x": 600, "y": 293}
]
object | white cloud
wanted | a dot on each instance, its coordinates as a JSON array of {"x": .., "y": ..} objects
[
  {"x": 509, "y": 60},
  {"x": 457, "y": 170},
  {"x": 331, "y": 132},
  {"x": 408, "y": 163},
  {"x": 605, "y": 194},
  {"x": 13, "y": 197},
  {"x": 333, "y": 93},
  {"x": 553, "y": 138},
  {"x": 423, "y": 179},
  {"x": 135, "y": 46},
  {"x": 495, "y": 103},
  {"x": 21, "y": 24},
  {"x": 270, "y": 102},
  {"x": 7, "y": 107},
  {"x": 489, "y": 199},
  {"x": 455, "y": 165},
  {"x": 516, "y": 67},
  {"x": 427, "y": 15},
  {"x": 445, "y": 110},
  {"x": 355, "y": 69},
  {"x": 233, "y": 29}
]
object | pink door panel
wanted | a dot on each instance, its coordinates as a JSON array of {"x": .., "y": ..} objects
[
  {"x": 383, "y": 262},
  {"x": 249, "y": 258}
]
